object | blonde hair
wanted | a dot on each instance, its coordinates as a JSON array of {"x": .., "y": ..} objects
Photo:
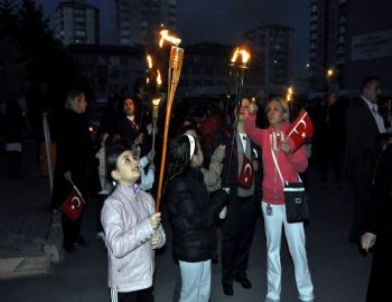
[
  {"x": 72, "y": 97},
  {"x": 283, "y": 104}
]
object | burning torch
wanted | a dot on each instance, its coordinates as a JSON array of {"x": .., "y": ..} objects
[
  {"x": 174, "y": 72},
  {"x": 237, "y": 69},
  {"x": 290, "y": 99}
]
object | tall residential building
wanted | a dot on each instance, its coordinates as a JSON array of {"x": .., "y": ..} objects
[
  {"x": 328, "y": 43},
  {"x": 370, "y": 43},
  {"x": 138, "y": 21},
  {"x": 76, "y": 22},
  {"x": 272, "y": 61}
]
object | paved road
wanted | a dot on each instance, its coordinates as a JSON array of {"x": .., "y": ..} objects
[{"x": 339, "y": 273}]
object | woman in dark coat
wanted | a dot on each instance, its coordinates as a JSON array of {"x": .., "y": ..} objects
[
  {"x": 193, "y": 216},
  {"x": 75, "y": 163}
]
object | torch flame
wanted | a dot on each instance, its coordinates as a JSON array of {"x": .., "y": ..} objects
[
  {"x": 235, "y": 55},
  {"x": 156, "y": 101},
  {"x": 290, "y": 91},
  {"x": 245, "y": 55},
  {"x": 165, "y": 36},
  {"x": 149, "y": 61},
  {"x": 159, "y": 78}
]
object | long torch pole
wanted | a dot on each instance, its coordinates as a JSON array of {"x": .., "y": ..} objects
[{"x": 175, "y": 65}]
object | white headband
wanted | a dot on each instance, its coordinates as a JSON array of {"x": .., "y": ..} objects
[{"x": 192, "y": 143}]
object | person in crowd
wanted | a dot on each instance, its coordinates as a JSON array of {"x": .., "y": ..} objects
[
  {"x": 76, "y": 163},
  {"x": 140, "y": 96},
  {"x": 129, "y": 125},
  {"x": 331, "y": 138},
  {"x": 213, "y": 174},
  {"x": 210, "y": 129},
  {"x": 132, "y": 229},
  {"x": 378, "y": 233},
  {"x": 239, "y": 225},
  {"x": 273, "y": 143},
  {"x": 363, "y": 125},
  {"x": 193, "y": 215}
]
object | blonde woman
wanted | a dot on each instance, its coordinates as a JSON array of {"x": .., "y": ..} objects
[{"x": 274, "y": 144}]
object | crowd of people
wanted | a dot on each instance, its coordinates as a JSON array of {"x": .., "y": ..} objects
[{"x": 225, "y": 172}]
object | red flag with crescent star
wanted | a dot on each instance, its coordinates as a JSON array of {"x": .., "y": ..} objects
[
  {"x": 300, "y": 130},
  {"x": 245, "y": 178},
  {"x": 74, "y": 204}
]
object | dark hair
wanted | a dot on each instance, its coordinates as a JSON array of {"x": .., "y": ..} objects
[
  {"x": 188, "y": 124},
  {"x": 368, "y": 81},
  {"x": 113, "y": 149},
  {"x": 72, "y": 96},
  {"x": 180, "y": 156}
]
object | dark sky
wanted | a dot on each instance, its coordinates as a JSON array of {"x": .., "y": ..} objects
[{"x": 221, "y": 20}]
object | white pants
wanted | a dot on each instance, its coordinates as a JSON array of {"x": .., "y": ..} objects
[
  {"x": 274, "y": 218},
  {"x": 195, "y": 281}
]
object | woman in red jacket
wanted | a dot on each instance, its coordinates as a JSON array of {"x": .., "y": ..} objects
[{"x": 290, "y": 162}]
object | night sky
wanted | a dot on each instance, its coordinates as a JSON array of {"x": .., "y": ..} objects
[{"x": 221, "y": 20}]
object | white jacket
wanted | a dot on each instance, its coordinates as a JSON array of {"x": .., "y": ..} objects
[{"x": 127, "y": 232}]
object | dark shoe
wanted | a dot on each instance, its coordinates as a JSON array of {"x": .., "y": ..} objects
[
  {"x": 81, "y": 241},
  {"x": 245, "y": 282},
  {"x": 214, "y": 258},
  {"x": 69, "y": 247},
  {"x": 228, "y": 289}
]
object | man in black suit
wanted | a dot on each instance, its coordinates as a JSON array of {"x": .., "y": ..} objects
[
  {"x": 363, "y": 125},
  {"x": 240, "y": 222}
]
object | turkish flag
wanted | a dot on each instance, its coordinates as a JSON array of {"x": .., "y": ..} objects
[
  {"x": 74, "y": 204},
  {"x": 245, "y": 178},
  {"x": 300, "y": 130}
]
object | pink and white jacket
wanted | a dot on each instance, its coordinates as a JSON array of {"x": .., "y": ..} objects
[
  {"x": 290, "y": 164},
  {"x": 125, "y": 219}
]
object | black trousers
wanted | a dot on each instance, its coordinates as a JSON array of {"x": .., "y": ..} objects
[
  {"x": 237, "y": 233},
  {"x": 361, "y": 193},
  {"x": 143, "y": 295},
  {"x": 379, "y": 287}
]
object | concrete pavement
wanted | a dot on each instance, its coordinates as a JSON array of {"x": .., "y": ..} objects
[{"x": 339, "y": 273}]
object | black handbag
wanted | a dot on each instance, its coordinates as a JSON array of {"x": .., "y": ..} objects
[
  {"x": 296, "y": 203},
  {"x": 295, "y": 197}
]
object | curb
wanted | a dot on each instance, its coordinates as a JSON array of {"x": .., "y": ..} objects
[
  {"x": 23, "y": 266},
  {"x": 38, "y": 264},
  {"x": 53, "y": 247}
]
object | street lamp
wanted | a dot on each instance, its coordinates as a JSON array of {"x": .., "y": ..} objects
[{"x": 330, "y": 74}]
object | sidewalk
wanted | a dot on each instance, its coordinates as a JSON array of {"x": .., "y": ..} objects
[{"x": 25, "y": 219}]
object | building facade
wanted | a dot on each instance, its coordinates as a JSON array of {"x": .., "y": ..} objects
[
  {"x": 351, "y": 37},
  {"x": 328, "y": 44},
  {"x": 138, "y": 21},
  {"x": 272, "y": 50},
  {"x": 109, "y": 69},
  {"x": 370, "y": 43},
  {"x": 76, "y": 22}
]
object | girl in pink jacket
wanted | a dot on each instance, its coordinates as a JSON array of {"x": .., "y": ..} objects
[
  {"x": 132, "y": 230},
  {"x": 290, "y": 162}
]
